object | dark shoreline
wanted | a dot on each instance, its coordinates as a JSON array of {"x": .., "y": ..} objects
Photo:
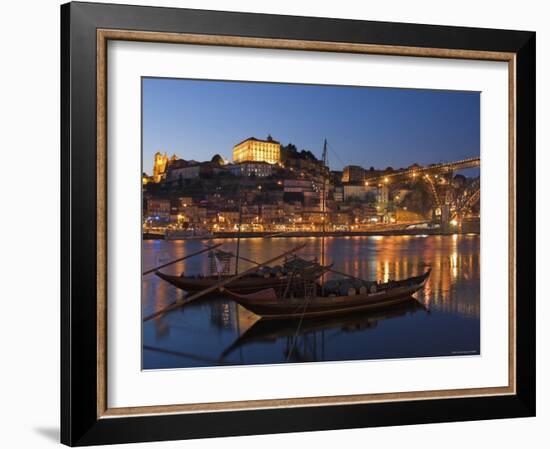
[{"x": 377, "y": 233}]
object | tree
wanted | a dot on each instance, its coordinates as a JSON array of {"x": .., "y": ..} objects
[
  {"x": 307, "y": 155},
  {"x": 419, "y": 200},
  {"x": 459, "y": 180},
  {"x": 290, "y": 151},
  {"x": 370, "y": 198}
]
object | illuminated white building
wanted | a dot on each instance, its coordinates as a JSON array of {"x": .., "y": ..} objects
[{"x": 256, "y": 150}]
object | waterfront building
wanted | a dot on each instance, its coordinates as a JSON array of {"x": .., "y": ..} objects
[
  {"x": 185, "y": 201},
  {"x": 382, "y": 195},
  {"x": 193, "y": 214},
  {"x": 313, "y": 217},
  {"x": 304, "y": 167},
  {"x": 158, "y": 209},
  {"x": 250, "y": 217},
  {"x": 257, "y": 150},
  {"x": 292, "y": 208},
  {"x": 293, "y": 212},
  {"x": 211, "y": 168},
  {"x": 234, "y": 169},
  {"x": 293, "y": 190},
  {"x": 339, "y": 218},
  {"x": 312, "y": 199},
  {"x": 229, "y": 219},
  {"x": 181, "y": 169},
  {"x": 256, "y": 168},
  {"x": 353, "y": 174},
  {"x": 271, "y": 196},
  {"x": 303, "y": 190},
  {"x": 372, "y": 173},
  {"x": 297, "y": 185},
  {"x": 358, "y": 192},
  {"x": 178, "y": 169},
  {"x": 335, "y": 177},
  {"x": 271, "y": 213},
  {"x": 365, "y": 213}
]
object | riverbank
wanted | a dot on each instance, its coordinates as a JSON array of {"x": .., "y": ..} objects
[{"x": 271, "y": 235}]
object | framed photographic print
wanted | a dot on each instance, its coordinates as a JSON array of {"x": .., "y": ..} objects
[{"x": 277, "y": 224}]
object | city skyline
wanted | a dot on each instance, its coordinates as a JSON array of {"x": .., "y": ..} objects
[{"x": 366, "y": 126}]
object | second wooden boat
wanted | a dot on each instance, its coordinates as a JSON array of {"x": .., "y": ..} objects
[{"x": 263, "y": 278}]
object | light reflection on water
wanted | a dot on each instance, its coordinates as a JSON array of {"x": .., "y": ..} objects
[{"x": 216, "y": 331}]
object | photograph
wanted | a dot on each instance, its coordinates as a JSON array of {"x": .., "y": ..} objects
[{"x": 290, "y": 223}]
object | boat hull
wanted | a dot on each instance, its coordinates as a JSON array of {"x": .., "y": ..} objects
[
  {"x": 247, "y": 284},
  {"x": 321, "y": 306}
]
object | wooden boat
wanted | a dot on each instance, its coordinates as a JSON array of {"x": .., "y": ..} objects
[
  {"x": 270, "y": 305},
  {"x": 263, "y": 278}
]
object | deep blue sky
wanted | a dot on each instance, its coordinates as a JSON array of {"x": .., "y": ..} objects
[{"x": 365, "y": 126}]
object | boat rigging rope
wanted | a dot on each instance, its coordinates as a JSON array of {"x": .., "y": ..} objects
[{"x": 297, "y": 329}]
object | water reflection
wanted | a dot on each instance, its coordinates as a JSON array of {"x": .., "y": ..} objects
[
  {"x": 201, "y": 333},
  {"x": 301, "y": 338}
]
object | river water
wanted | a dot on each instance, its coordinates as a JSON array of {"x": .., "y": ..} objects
[{"x": 216, "y": 331}]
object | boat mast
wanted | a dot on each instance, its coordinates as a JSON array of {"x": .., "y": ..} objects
[
  {"x": 323, "y": 208},
  {"x": 239, "y": 234}
]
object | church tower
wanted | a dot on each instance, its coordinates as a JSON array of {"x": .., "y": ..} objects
[{"x": 159, "y": 166}]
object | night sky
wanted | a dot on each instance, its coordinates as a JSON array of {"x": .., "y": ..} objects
[{"x": 365, "y": 126}]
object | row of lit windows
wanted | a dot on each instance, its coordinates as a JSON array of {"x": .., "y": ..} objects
[
  {"x": 256, "y": 145},
  {"x": 257, "y": 151}
]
